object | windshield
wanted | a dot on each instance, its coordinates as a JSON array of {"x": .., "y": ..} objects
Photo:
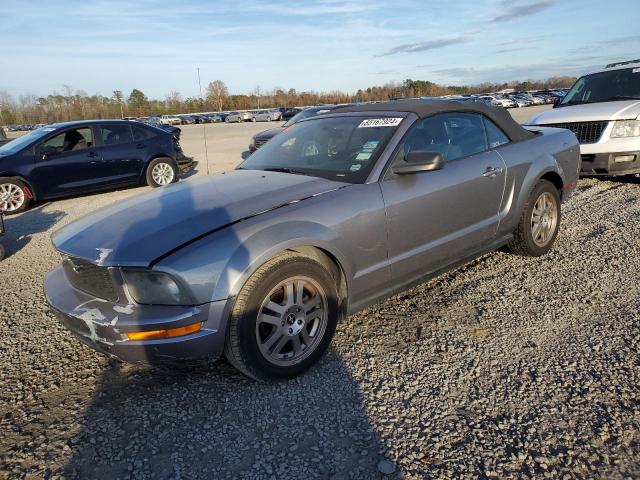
[
  {"x": 309, "y": 112},
  {"x": 608, "y": 86},
  {"x": 341, "y": 148},
  {"x": 19, "y": 143}
]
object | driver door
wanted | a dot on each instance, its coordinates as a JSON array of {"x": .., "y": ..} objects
[
  {"x": 67, "y": 163},
  {"x": 438, "y": 217}
]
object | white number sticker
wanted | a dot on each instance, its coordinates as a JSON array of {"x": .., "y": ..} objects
[{"x": 380, "y": 122}]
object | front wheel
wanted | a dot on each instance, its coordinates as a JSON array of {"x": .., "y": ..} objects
[
  {"x": 14, "y": 197},
  {"x": 539, "y": 223},
  {"x": 283, "y": 319},
  {"x": 161, "y": 172}
]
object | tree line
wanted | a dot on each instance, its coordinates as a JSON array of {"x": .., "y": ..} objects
[{"x": 71, "y": 104}]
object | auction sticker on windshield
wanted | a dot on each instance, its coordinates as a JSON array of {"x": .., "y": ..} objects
[{"x": 380, "y": 122}]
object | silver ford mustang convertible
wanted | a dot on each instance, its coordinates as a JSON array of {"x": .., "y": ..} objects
[{"x": 331, "y": 215}]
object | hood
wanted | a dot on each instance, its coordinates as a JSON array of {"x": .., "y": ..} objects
[
  {"x": 137, "y": 231},
  {"x": 589, "y": 112},
  {"x": 267, "y": 134}
]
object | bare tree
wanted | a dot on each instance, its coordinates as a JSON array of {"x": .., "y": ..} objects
[
  {"x": 257, "y": 93},
  {"x": 174, "y": 102},
  {"x": 217, "y": 93}
]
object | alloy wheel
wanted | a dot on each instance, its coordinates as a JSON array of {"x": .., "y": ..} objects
[
  {"x": 291, "y": 321},
  {"x": 11, "y": 197},
  {"x": 544, "y": 219},
  {"x": 162, "y": 174}
]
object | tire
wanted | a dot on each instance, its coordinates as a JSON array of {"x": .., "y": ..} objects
[
  {"x": 2, "y": 252},
  {"x": 268, "y": 350},
  {"x": 161, "y": 171},
  {"x": 525, "y": 243},
  {"x": 14, "y": 196},
  {"x": 253, "y": 119},
  {"x": 268, "y": 119}
]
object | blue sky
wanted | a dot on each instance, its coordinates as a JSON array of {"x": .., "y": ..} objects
[{"x": 322, "y": 45}]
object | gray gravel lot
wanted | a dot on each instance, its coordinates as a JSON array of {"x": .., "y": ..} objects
[{"x": 505, "y": 368}]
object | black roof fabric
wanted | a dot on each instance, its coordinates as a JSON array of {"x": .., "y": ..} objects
[{"x": 426, "y": 108}]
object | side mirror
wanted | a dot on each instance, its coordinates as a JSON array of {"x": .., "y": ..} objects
[
  {"x": 556, "y": 102},
  {"x": 417, "y": 162}
]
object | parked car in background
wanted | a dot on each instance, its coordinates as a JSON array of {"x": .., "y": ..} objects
[
  {"x": 81, "y": 157},
  {"x": 498, "y": 101},
  {"x": 290, "y": 113},
  {"x": 261, "y": 138},
  {"x": 265, "y": 116},
  {"x": 238, "y": 117},
  {"x": 336, "y": 213},
  {"x": 603, "y": 110},
  {"x": 187, "y": 120},
  {"x": 3, "y": 136},
  {"x": 170, "y": 120}
]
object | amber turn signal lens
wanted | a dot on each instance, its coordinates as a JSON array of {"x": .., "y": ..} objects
[{"x": 160, "y": 334}]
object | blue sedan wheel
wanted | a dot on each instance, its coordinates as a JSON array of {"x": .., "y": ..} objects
[{"x": 161, "y": 172}]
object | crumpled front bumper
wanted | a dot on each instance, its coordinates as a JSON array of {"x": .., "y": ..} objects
[
  {"x": 186, "y": 164},
  {"x": 103, "y": 325}
]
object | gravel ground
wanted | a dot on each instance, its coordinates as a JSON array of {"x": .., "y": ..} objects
[{"x": 505, "y": 368}]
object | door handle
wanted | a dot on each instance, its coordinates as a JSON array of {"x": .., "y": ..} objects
[
  {"x": 492, "y": 172},
  {"x": 140, "y": 146},
  {"x": 92, "y": 154}
]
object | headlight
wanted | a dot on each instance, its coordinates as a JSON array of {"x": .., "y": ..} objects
[
  {"x": 626, "y": 128},
  {"x": 154, "y": 288}
]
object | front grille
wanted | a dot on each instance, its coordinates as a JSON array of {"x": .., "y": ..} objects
[
  {"x": 89, "y": 278},
  {"x": 586, "y": 132}
]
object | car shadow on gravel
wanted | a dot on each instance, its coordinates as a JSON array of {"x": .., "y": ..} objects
[
  {"x": 212, "y": 422},
  {"x": 21, "y": 228}
]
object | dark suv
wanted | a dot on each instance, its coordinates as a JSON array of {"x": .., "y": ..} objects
[{"x": 81, "y": 157}]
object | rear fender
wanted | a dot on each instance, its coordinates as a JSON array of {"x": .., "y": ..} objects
[{"x": 519, "y": 186}]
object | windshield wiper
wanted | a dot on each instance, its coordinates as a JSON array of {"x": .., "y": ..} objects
[
  {"x": 284, "y": 170},
  {"x": 574, "y": 102}
]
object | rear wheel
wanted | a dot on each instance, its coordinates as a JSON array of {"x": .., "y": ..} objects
[
  {"x": 161, "y": 172},
  {"x": 539, "y": 223},
  {"x": 283, "y": 319},
  {"x": 14, "y": 196}
]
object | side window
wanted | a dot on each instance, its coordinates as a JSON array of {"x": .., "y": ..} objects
[
  {"x": 140, "y": 133},
  {"x": 452, "y": 135},
  {"x": 115, "y": 134},
  {"x": 68, "y": 141},
  {"x": 495, "y": 136},
  {"x": 465, "y": 134}
]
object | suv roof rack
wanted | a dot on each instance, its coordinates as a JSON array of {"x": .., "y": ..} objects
[{"x": 619, "y": 64}]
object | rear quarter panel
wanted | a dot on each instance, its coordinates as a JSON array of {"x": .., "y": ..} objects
[{"x": 551, "y": 150}]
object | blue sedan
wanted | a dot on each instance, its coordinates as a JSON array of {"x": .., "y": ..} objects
[{"x": 81, "y": 157}]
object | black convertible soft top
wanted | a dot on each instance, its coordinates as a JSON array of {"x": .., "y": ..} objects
[{"x": 426, "y": 108}]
